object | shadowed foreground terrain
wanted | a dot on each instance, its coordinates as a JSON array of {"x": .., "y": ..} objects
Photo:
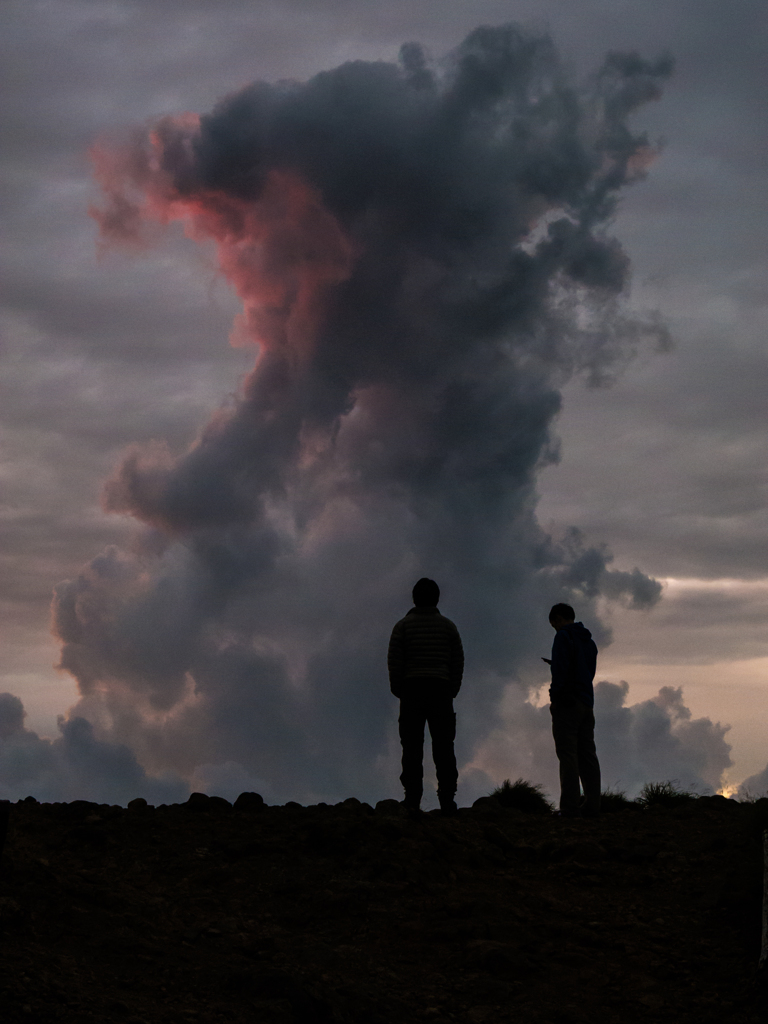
[{"x": 201, "y": 912}]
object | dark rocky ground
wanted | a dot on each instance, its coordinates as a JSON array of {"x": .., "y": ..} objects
[{"x": 337, "y": 915}]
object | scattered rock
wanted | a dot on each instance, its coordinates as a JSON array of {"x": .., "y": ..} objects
[
  {"x": 249, "y": 802},
  {"x": 488, "y": 807},
  {"x": 390, "y": 808},
  {"x": 198, "y": 802},
  {"x": 78, "y": 810},
  {"x": 355, "y": 805}
]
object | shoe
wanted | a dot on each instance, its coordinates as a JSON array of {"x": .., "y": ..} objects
[
  {"x": 578, "y": 813},
  {"x": 448, "y": 808},
  {"x": 412, "y": 807}
]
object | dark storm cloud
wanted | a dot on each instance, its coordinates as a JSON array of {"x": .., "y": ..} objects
[
  {"x": 586, "y": 571},
  {"x": 422, "y": 255},
  {"x": 75, "y": 766},
  {"x": 436, "y": 187}
]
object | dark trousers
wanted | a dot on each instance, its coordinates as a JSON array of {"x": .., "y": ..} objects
[
  {"x": 573, "y": 729},
  {"x": 437, "y": 712}
]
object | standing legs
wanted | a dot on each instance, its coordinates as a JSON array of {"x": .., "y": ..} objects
[
  {"x": 411, "y": 723},
  {"x": 573, "y": 730},
  {"x": 414, "y": 714},
  {"x": 442, "y": 729}
]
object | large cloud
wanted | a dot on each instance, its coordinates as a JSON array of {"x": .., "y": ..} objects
[
  {"x": 656, "y": 740},
  {"x": 422, "y": 254}
]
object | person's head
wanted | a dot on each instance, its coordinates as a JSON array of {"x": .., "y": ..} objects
[
  {"x": 426, "y": 593},
  {"x": 561, "y": 615}
]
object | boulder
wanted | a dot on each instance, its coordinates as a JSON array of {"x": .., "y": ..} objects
[
  {"x": 488, "y": 807},
  {"x": 203, "y": 802},
  {"x": 198, "y": 802},
  {"x": 249, "y": 802},
  {"x": 390, "y": 808}
]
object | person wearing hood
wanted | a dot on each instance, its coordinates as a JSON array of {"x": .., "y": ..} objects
[
  {"x": 426, "y": 664},
  {"x": 572, "y": 700}
]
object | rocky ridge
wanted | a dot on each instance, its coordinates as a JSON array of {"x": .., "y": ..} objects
[{"x": 202, "y": 912}]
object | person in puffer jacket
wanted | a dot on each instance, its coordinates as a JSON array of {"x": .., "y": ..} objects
[
  {"x": 426, "y": 665},
  {"x": 572, "y": 698}
]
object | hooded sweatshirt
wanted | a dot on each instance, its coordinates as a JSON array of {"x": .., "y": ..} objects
[{"x": 574, "y": 662}]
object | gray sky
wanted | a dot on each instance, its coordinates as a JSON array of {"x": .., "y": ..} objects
[{"x": 104, "y": 349}]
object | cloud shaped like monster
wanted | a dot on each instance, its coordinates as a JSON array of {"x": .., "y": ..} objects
[{"x": 422, "y": 255}]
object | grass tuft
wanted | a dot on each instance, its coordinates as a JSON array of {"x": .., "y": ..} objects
[
  {"x": 612, "y": 800},
  {"x": 523, "y": 796},
  {"x": 664, "y": 794},
  {"x": 746, "y": 796}
]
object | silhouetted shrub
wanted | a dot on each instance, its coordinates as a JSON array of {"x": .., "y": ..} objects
[
  {"x": 523, "y": 796},
  {"x": 664, "y": 794}
]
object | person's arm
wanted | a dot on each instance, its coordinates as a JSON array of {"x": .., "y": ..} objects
[
  {"x": 396, "y": 660},
  {"x": 561, "y": 664},
  {"x": 457, "y": 662}
]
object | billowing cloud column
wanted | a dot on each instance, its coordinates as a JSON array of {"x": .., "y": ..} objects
[{"x": 422, "y": 254}]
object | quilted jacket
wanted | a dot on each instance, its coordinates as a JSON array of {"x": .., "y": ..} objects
[{"x": 425, "y": 646}]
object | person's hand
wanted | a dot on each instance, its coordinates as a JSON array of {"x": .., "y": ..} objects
[{"x": 548, "y": 660}]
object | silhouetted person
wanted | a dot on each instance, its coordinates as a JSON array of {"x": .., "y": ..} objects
[
  {"x": 426, "y": 664},
  {"x": 572, "y": 699}
]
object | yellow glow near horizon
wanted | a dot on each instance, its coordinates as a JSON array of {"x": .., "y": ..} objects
[{"x": 719, "y": 583}]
